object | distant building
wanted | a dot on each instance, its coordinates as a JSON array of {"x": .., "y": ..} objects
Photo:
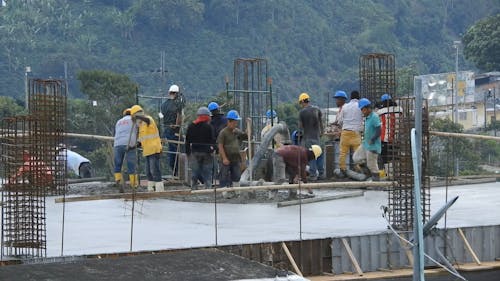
[{"x": 476, "y": 97}]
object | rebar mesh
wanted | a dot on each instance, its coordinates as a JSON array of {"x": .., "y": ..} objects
[
  {"x": 251, "y": 97},
  {"x": 32, "y": 166},
  {"x": 401, "y": 198},
  {"x": 47, "y": 101},
  {"x": 26, "y": 179},
  {"x": 377, "y": 75}
]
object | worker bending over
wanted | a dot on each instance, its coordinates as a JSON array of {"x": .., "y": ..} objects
[{"x": 292, "y": 160}]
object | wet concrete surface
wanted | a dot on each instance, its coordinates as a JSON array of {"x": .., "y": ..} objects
[{"x": 105, "y": 226}]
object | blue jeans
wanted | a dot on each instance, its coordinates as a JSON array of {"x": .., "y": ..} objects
[
  {"x": 201, "y": 167},
  {"x": 229, "y": 174},
  {"x": 169, "y": 134},
  {"x": 121, "y": 154},
  {"x": 153, "y": 167}
]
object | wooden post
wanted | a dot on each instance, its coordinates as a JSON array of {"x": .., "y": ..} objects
[
  {"x": 469, "y": 248},
  {"x": 290, "y": 258},
  {"x": 352, "y": 257}
]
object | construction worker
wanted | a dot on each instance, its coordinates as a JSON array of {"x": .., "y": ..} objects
[
  {"x": 389, "y": 113},
  {"x": 278, "y": 138},
  {"x": 78, "y": 164},
  {"x": 350, "y": 137},
  {"x": 124, "y": 148},
  {"x": 367, "y": 153},
  {"x": 336, "y": 126},
  {"x": 335, "y": 129},
  {"x": 171, "y": 113},
  {"x": 310, "y": 121},
  {"x": 200, "y": 144},
  {"x": 219, "y": 121},
  {"x": 229, "y": 150},
  {"x": 292, "y": 160},
  {"x": 149, "y": 139},
  {"x": 33, "y": 171}
]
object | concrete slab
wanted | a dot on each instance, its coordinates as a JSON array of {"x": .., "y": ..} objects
[{"x": 105, "y": 226}]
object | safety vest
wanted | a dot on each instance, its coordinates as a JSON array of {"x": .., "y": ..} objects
[
  {"x": 388, "y": 118},
  {"x": 149, "y": 137}
]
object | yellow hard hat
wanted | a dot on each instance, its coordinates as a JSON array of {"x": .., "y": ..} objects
[
  {"x": 126, "y": 111},
  {"x": 303, "y": 97},
  {"x": 134, "y": 109},
  {"x": 316, "y": 149}
]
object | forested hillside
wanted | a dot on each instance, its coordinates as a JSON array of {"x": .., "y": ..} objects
[{"x": 311, "y": 45}]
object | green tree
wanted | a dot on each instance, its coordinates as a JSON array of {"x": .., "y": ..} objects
[
  {"x": 482, "y": 43},
  {"x": 445, "y": 151},
  {"x": 9, "y": 107},
  {"x": 109, "y": 94}
]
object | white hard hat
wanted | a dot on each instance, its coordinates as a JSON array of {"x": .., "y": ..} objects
[{"x": 173, "y": 89}]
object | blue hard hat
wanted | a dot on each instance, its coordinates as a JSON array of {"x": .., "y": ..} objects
[
  {"x": 340, "y": 94},
  {"x": 270, "y": 114},
  {"x": 363, "y": 103},
  {"x": 385, "y": 97},
  {"x": 233, "y": 115},
  {"x": 213, "y": 106}
]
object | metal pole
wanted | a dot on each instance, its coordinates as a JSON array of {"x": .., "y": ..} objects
[
  {"x": 416, "y": 143},
  {"x": 26, "y": 86},
  {"x": 485, "y": 116},
  {"x": 456, "y": 44},
  {"x": 495, "y": 111}
]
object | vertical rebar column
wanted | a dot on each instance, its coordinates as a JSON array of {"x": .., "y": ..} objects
[
  {"x": 401, "y": 193},
  {"x": 26, "y": 179},
  {"x": 48, "y": 103},
  {"x": 377, "y": 75},
  {"x": 251, "y": 97}
]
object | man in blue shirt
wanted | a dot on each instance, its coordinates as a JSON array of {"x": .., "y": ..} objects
[{"x": 371, "y": 146}]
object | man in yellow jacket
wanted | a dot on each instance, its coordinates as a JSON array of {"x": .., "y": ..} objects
[{"x": 149, "y": 139}]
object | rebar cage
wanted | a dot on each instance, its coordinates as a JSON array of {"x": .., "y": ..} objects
[
  {"x": 377, "y": 76},
  {"x": 33, "y": 165}
]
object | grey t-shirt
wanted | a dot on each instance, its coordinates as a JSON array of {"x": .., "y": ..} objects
[
  {"x": 311, "y": 123},
  {"x": 170, "y": 108}
]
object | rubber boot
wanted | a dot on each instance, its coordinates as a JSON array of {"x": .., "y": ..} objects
[
  {"x": 118, "y": 179},
  {"x": 134, "y": 183},
  {"x": 119, "y": 182},
  {"x": 151, "y": 186},
  {"x": 159, "y": 186}
]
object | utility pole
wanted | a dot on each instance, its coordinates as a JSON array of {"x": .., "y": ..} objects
[
  {"x": 456, "y": 44},
  {"x": 26, "y": 86},
  {"x": 495, "y": 111}
]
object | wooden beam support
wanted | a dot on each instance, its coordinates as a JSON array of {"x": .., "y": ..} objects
[
  {"x": 290, "y": 258},
  {"x": 127, "y": 196},
  {"x": 352, "y": 257},
  {"x": 469, "y": 248},
  {"x": 165, "y": 194}
]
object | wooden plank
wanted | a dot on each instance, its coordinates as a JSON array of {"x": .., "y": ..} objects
[
  {"x": 129, "y": 196},
  {"x": 320, "y": 199},
  {"x": 469, "y": 248},
  {"x": 460, "y": 135},
  {"x": 151, "y": 195},
  {"x": 290, "y": 258},
  {"x": 352, "y": 257}
]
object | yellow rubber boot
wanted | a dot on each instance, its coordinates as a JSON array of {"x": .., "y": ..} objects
[
  {"x": 134, "y": 181},
  {"x": 118, "y": 178}
]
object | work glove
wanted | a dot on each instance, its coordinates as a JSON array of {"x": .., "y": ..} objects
[{"x": 160, "y": 115}]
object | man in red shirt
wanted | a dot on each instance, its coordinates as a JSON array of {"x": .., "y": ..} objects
[{"x": 292, "y": 160}]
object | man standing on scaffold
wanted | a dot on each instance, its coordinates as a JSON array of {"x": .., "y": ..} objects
[{"x": 171, "y": 113}]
